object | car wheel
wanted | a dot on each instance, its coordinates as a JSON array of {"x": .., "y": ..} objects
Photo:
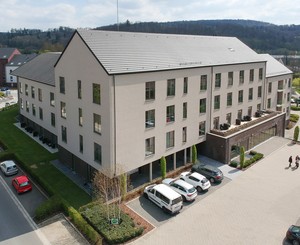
[
  {"x": 295, "y": 242},
  {"x": 183, "y": 198},
  {"x": 146, "y": 195},
  {"x": 199, "y": 189},
  {"x": 212, "y": 180}
]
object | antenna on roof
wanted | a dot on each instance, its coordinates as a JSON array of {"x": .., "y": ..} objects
[{"x": 118, "y": 14}]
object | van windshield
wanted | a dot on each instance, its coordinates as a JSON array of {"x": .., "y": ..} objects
[{"x": 177, "y": 200}]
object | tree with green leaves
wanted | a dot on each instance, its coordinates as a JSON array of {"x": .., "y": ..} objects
[
  {"x": 163, "y": 167},
  {"x": 296, "y": 133},
  {"x": 242, "y": 157},
  {"x": 194, "y": 154}
]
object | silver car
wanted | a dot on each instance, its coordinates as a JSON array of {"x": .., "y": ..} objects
[{"x": 8, "y": 167}]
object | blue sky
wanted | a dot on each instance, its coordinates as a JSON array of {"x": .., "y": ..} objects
[{"x": 45, "y": 14}]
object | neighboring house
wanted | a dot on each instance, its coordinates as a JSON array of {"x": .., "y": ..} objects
[
  {"x": 16, "y": 61},
  {"x": 124, "y": 100},
  {"x": 6, "y": 55}
]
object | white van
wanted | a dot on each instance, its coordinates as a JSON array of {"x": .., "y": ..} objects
[{"x": 164, "y": 197}]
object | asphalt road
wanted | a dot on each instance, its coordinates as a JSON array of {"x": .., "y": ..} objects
[
  {"x": 16, "y": 226},
  {"x": 153, "y": 214}
]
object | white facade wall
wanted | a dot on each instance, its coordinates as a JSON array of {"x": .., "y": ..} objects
[
  {"x": 10, "y": 78},
  {"x": 44, "y": 104}
]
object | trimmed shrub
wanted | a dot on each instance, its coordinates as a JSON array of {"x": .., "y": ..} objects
[
  {"x": 242, "y": 157},
  {"x": 194, "y": 154},
  {"x": 296, "y": 133},
  {"x": 295, "y": 108},
  {"x": 294, "y": 118},
  {"x": 233, "y": 164},
  {"x": 252, "y": 152},
  {"x": 163, "y": 167},
  {"x": 48, "y": 208}
]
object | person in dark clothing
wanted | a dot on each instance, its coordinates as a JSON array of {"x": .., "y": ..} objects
[
  {"x": 290, "y": 161},
  {"x": 297, "y": 161}
]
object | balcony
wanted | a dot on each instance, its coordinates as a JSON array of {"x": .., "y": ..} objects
[{"x": 259, "y": 117}]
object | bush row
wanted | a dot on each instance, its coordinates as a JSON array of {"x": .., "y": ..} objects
[
  {"x": 253, "y": 159},
  {"x": 294, "y": 118},
  {"x": 295, "y": 108},
  {"x": 95, "y": 215}
]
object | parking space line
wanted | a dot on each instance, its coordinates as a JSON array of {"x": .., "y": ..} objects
[{"x": 25, "y": 213}]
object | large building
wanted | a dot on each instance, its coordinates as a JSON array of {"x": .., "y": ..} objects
[
  {"x": 6, "y": 55},
  {"x": 118, "y": 100}
]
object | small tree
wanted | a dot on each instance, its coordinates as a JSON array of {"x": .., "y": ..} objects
[
  {"x": 296, "y": 133},
  {"x": 242, "y": 157},
  {"x": 123, "y": 185},
  {"x": 194, "y": 154},
  {"x": 163, "y": 167}
]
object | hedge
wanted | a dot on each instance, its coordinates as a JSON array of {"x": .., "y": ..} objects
[
  {"x": 295, "y": 108},
  {"x": 294, "y": 118},
  {"x": 95, "y": 215}
]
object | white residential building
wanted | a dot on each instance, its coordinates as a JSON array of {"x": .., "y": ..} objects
[{"x": 124, "y": 100}]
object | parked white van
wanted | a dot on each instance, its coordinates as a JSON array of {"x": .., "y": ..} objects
[{"x": 164, "y": 197}]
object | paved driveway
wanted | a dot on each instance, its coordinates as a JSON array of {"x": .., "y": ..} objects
[{"x": 256, "y": 207}]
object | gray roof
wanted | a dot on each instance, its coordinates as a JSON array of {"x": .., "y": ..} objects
[
  {"x": 131, "y": 52},
  {"x": 39, "y": 69},
  {"x": 5, "y": 53},
  {"x": 20, "y": 59},
  {"x": 274, "y": 67}
]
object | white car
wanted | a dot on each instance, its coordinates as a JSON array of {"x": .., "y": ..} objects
[
  {"x": 197, "y": 180},
  {"x": 8, "y": 167},
  {"x": 186, "y": 190}
]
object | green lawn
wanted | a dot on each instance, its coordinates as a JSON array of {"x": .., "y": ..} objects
[{"x": 37, "y": 158}]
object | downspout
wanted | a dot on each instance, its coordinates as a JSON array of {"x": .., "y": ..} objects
[
  {"x": 211, "y": 97},
  {"x": 115, "y": 126}
]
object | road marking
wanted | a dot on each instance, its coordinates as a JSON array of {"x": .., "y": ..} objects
[{"x": 25, "y": 213}]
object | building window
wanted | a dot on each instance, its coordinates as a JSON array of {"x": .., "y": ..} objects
[
  {"x": 32, "y": 92},
  {"x": 33, "y": 109},
  {"x": 79, "y": 89},
  {"x": 150, "y": 119},
  {"x": 203, "y": 83},
  {"x": 216, "y": 123},
  {"x": 202, "y": 106},
  {"x": 259, "y": 92},
  {"x": 150, "y": 91},
  {"x": 97, "y": 123},
  {"x": 27, "y": 106},
  {"x": 258, "y": 107},
  {"x": 269, "y": 103},
  {"x": 185, "y": 85},
  {"x": 96, "y": 93},
  {"x": 289, "y": 82},
  {"x": 21, "y": 103},
  {"x": 242, "y": 78},
  {"x": 40, "y": 95},
  {"x": 171, "y": 87},
  {"x": 53, "y": 119},
  {"x": 229, "y": 99},
  {"x": 202, "y": 128},
  {"x": 170, "y": 139},
  {"x": 81, "y": 143},
  {"x": 63, "y": 111},
  {"x": 184, "y": 110},
  {"x": 288, "y": 97},
  {"x": 20, "y": 88},
  {"x": 150, "y": 146},
  {"x": 230, "y": 78},
  {"x": 218, "y": 80},
  {"x": 64, "y": 134},
  {"x": 217, "y": 102},
  {"x": 41, "y": 113},
  {"x": 97, "y": 153},
  {"x": 251, "y": 76},
  {"x": 80, "y": 117},
  {"x": 260, "y": 74},
  {"x": 184, "y": 134},
  {"x": 240, "y": 114},
  {"x": 250, "y": 95},
  {"x": 26, "y": 89},
  {"x": 62, "y": 88},
  {"x": 240, "y": 98},
  {"x": 52, "y": 101},
  {"x": 250, "y": 111},
  {"x": 269, "y": 87},
  {"x": 228, "y": 118},
  {"x": 170, "y": 113},
  {"x": 280, "y": 85}
]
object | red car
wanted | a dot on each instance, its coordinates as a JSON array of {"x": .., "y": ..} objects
[{"x": 21, "y": 184}]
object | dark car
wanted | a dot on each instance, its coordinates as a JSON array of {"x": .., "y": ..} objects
[
  {"x": 293, "y": 234},
  {"x": 211, "y": 173}
]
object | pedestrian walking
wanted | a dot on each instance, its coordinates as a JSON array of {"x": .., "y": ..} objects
[
  {"x": 297, "y": 161},
  {"x": 290, "y": 161}
]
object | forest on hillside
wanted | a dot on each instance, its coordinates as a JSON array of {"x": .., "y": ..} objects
[{"x": 260, "y": 36}]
